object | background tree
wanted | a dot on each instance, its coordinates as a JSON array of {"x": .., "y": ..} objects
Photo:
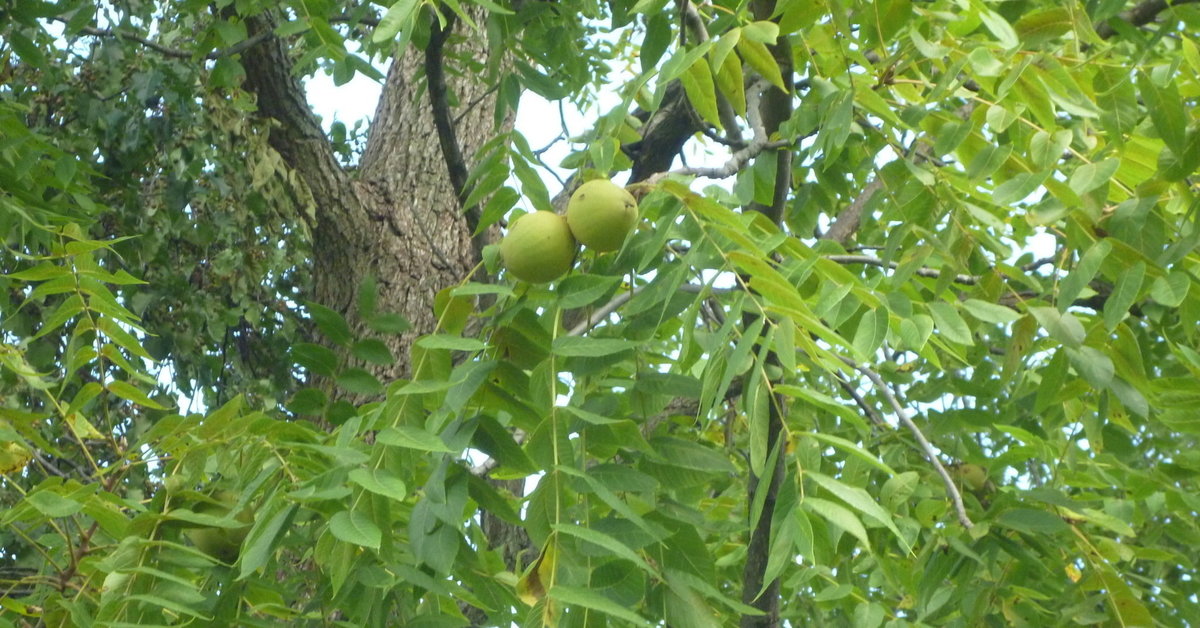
[{"x": 920, "y": 349}]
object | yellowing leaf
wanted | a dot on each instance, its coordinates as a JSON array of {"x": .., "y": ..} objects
[
  {"x": 532, "y": 586},
  {"x": 756, "y": 54}
]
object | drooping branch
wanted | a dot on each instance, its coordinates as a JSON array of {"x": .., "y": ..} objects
[{"x": 848, "y": 220}]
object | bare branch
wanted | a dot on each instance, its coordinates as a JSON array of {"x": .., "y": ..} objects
[
  {"x": 930, "y": 453},
  {"x": 934, "y": 273}
]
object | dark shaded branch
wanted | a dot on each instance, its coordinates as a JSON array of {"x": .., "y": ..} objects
[
  {"x": 439, "y": 103},
  {"x": 1142, "y": 14},
  {"x": 666, "y": 130},
  {"x": 763, "y": 595}
]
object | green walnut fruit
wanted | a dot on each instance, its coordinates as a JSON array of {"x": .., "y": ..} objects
[
  {"x": 539, "y": 247},
  {"x": 973, "y": 475},
  {"x": 601, "y": 214},
  {"x": 221, "y": 543}
]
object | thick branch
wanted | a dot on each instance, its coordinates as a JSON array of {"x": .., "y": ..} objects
[
  {"x": 766, "y": 118},
  {"x": 297, "y": 136},
  {"x": 447, "y": 137},
  {"x": 663, "y": 136}
]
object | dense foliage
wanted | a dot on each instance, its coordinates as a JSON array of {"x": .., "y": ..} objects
[{"x": 921, "y": 349}]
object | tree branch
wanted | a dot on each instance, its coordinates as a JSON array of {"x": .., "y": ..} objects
[
  {"x": 212, "y": 55},
  {"x": 1142, "y": 14},
  {"x": 447, "y": 137},
  {"x": 934, "y": 273},
  {"x": 930, "y": 453}
]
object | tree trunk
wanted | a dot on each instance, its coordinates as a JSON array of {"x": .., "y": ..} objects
[{"x": 398, "y": 219}]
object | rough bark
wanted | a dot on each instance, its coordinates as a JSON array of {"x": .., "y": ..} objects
[{"x": 398, "y": 219}]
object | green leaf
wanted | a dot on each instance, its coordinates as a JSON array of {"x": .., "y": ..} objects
[
  {"x": 52, "y": 504},
  {"x": 1166, "y": 111},
  {"x": 1125, "y": 292},
  {"x": 1093, "y": 364},
  {"x": 359, "y": 382},
  {"x": 1000, "y": 28},
  {"x": 355, "y": 527},
  {"x": 862, "y": 454},
  {"x": 600, "y": 539},
  {"x": 1032, "y": 521},
  {"x": 990, "y": 312},
  {"x": 412, "y": 438},
  {"x": 858, "y": 499},
  {"x": 170, "y": 605},
  {"x": 698, "y": 83},
  {"x": 262, "y": 540},
  {"x": 399, "y": 17},
  {"x": 1091, "y": 176},
  {"x": 590, "y": 599},
  {"x": 373, "y": 351},
  {"x": 380, "y": 482},
  {"x": 330, "y": 323},
  {"x": 950, "y": 324},
  {"x": 1062, "y": 326},
  {"x": 129, "y": 392},
  {"x": 587, "y": 347},
  {"x": 453, "y": 343},
  {"x": 839, "y": 516},
  {"x": 1038, "y": 27},
  {"x": 691, "y": 455},
  {"x": 389, "y": 323},
  {"x": 315, "y": 358},
  {"x": 757, "y": 56},
  {"x": 1172, "y": 289},
  {"x": 761, "y": 31},
  {"x": 1082, "y": 274}
]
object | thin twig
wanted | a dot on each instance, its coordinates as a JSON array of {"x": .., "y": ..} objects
[
  {"x": 901, "y": 413},
  {"x": 934, "y": 273}
]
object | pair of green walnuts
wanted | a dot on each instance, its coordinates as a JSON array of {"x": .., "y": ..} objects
[{"x": 540, "y": 247}]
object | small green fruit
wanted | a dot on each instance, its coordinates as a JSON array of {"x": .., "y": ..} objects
[
  {"x": 973, "y": 475},
  {"x": 539, "y": 247},
  {"x": 221, "y": 543},
  {"x": 601, "y": 214}
]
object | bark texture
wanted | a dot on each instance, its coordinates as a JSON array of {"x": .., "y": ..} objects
[{"x": 398, "y": 218}]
